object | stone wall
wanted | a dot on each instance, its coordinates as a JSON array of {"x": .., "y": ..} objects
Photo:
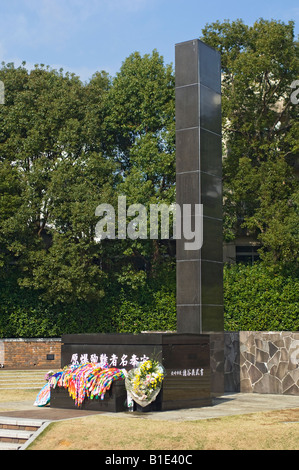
[
  {"x": 262, "y": 362},
  {"x": 232, "y": 361},
  {"x": 30, "y": 353}
]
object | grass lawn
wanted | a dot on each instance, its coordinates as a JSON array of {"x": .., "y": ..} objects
[
  {"x": 275, "y": 430},
  {"x": 7, "y": 396}
]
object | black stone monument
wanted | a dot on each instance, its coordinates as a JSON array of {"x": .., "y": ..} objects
[
  {"x": 199, "y": 181},
  {"x": 190, "y": 357},
  {"x": 186, "y": 359}
]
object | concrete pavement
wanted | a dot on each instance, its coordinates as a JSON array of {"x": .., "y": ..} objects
[{"x": 226, "y": 405}]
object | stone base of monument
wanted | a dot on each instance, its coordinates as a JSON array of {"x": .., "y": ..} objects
[
  {"x": 185, "y": 357},
  {"x": 114, "y": 401}
]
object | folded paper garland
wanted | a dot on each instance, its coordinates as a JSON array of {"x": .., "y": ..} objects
[
  {"x": 82, "y": 381},
  {"x": 92, "y": 381},
  {"x": 44, "y": 396}
]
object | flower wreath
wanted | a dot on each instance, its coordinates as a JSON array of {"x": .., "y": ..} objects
[{"x": 145, "y": 381}]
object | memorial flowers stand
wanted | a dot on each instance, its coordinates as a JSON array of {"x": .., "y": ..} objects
[{"x": 144, "y": 382}]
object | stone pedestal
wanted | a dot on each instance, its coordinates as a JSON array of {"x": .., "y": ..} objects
[
  {"x": 114, "y": 401},
  {"x": 186, "y": 359}
]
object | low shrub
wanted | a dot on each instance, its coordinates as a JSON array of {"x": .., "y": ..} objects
[
  {"x": 256, "y": 298},
  {"x": 260, "y": 298}
]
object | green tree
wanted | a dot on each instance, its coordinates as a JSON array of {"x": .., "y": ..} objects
[
  {"x": 52, "y": 179},
  {"x": 10, "y": 203},
  {"x": 141, "y": 104},
  {"x": 65, "y": 148},
  {"x": 139, "y": 135},
  {"x": 259, "y": 64}
]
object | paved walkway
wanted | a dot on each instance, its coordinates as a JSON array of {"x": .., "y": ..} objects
[{"x": 227, "y": 405}]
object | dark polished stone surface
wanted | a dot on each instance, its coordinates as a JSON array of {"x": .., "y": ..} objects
[
  {"x": 211, "y": 195},
  {"x": 199, "y": 181},
  {"x": 186, "y": 56},
  {"x": 183, "y": 254},
  {"x": 210, "y": 110},
  {"x": 191, "y": 254},
  {"x": 188, "y": 277},
  {"x": 210, "y": 153},
  {"x": 111, "y": 339},
  {"x": 187, "y": 150},
  {"x": 198, "y": 150},
  {"x": 190, "y": 70},
  {"x": 209, "y": 67},
  {"x": 212, "y": 239},
  {"x": 187, "y": 107},
  {"x": 188, "y": 188},
  {"x": 189, "y": 318}
]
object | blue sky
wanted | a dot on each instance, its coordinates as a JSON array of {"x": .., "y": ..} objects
[{"x": 84, "y": 36}]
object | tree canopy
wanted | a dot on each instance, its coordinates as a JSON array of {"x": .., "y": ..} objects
[
  {"x": 65, "y": 148},
  {"x": 260, "y": 132}
]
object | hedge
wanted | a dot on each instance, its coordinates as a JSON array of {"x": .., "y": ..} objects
[
  {"x": 152, "y": 307},
  {"x": 260, "y": 298},
  {"x": 256, "y": 298}
]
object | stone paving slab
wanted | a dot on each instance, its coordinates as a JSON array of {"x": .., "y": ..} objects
[
  {"x": 49, "y": 414},
  {"x": 226, "y": 405}
]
